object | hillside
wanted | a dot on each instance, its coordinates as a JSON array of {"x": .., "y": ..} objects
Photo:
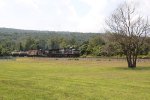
[
  {"x": 13, "y": 30},
  {"x": 19, "y": 34}
]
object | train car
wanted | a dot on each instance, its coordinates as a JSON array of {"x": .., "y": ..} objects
[
  {"x": 64, "y": 53},
  {"x": 36, "y": 53},
  {"x": 19, "y": 53}
]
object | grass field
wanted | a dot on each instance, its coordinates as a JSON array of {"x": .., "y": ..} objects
[{"x": 55, "y": 79}]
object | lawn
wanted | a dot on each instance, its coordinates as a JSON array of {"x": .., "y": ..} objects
[{"x": 66, "y": 79}]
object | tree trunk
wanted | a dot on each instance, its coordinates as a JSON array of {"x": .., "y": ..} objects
[
  {"x": 132, "y": 65},
  {"x": 131, "y": 61}
]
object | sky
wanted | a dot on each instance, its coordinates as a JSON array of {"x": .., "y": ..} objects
[{"x": 61, "y": 15}]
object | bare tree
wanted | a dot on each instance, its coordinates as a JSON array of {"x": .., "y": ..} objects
[{"x": 129, "y": 30}]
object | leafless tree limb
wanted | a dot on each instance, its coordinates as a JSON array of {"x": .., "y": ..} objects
[{"x": 128, "y": 29}]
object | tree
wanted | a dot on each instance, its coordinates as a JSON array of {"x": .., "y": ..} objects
[
  {"x": 1, "y": 50},
  {"x": 108, "y": 50},
  {"x": 40, "y": 44},
  {"x": 20, "y": 47},
  {"x": 53, "y": 43},
  {"x": 30, "y": 44},
  {"x": 95, "y": 44},
  {"x": 63, "y": 43},
  {"x": 83, "y": 48},
  {"x": 129, "y": 30}
]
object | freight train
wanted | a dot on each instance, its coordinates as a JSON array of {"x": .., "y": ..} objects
[{"x": 48, "y": 53}]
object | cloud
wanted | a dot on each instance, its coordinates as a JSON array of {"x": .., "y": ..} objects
[
  {"x": 61, "y": 15},
  {"x": 28, "y": 3},
  {"x": 94, "y": 21}
]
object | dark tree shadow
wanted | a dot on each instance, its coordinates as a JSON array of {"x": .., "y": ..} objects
[{"x": 137, "y": 68}]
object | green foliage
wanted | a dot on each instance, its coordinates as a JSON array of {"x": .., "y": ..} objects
[
  {"x": 83, "y": 48},
  {"x": 5, "y": 47},
  {"x": 1, "y": 50},
  {"x": 92, "y": 47},
  {"x": 30, "y": 44},
  {"x": 89, "y": 44},
  {"x": 97, "y": 51}
]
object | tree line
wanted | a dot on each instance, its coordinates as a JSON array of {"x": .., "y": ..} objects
[{"x": 89, "y": 44}]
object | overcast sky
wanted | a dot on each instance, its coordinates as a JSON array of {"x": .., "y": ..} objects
[{"x": 60, "y": 15}]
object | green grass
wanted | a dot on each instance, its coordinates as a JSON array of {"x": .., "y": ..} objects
[{"x": 44, "y": 79}]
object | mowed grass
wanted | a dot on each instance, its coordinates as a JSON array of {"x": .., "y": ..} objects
[{"x": 50, "y": 79}]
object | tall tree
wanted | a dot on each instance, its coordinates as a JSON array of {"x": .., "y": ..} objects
[
  {"x": 30, "y": 44},
  {"x": 20, "y": 47},
  {"x": 129, "y": 29}
]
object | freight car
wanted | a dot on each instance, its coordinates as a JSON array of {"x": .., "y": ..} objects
[
  {"x": 64, "y": 53},
  {"x": 19, "y": 54}
]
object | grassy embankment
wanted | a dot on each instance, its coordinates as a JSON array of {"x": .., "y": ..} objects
[{"x": 44, "y": 79}]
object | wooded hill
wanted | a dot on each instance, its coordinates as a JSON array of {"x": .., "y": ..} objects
[{"x": 93, "y": 44}]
